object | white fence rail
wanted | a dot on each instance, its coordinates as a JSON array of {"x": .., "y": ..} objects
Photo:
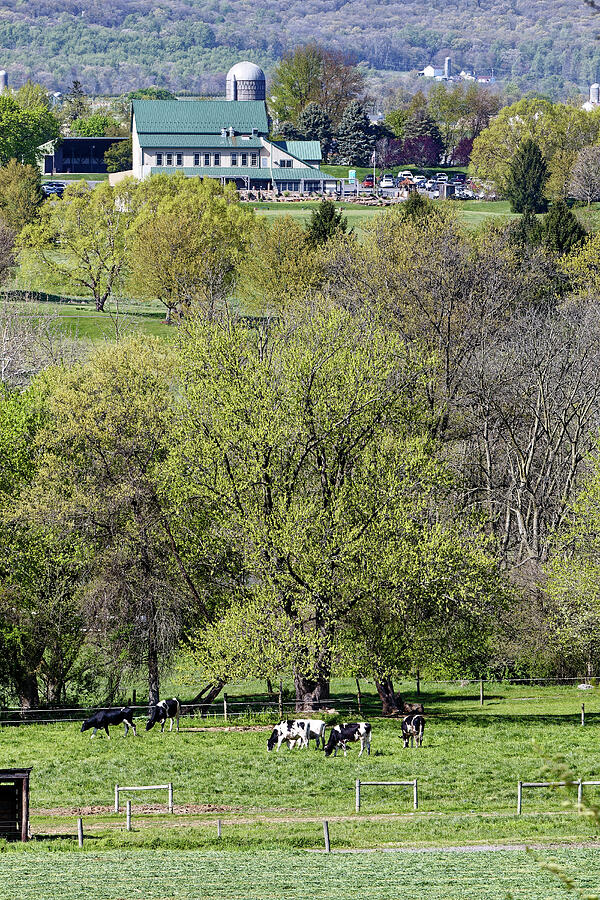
[
  {"x": 546, "y": 784},
  {"x": 145, "y": 787}
]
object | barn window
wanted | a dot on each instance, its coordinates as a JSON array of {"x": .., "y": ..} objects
[
  {"x": 179, "y": 159},
  {"x": 196, "y": 159},
  {"x": 169, "y": 159},
  {"x": 159, "y": 159}
]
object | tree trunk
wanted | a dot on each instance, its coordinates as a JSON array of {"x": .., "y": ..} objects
[
  {"x": 27, "y": 691},
  {"x": 310, "y": 692},
  {"x": 391, "y": 704},
  {"x": 100, "y": 301},
  {"x": 207, "y": 695},
  {"x": 153, "y": 673}
]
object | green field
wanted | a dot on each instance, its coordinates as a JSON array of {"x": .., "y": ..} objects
[
  {"x": 79, "y": 318},
  {"x": 465, "y": 840},
  {"x": 155, "y": 875}
]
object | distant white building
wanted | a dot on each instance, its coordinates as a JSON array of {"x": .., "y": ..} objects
[
  {"x": 594, "y": 101},
  {"x": 439, "y": 74}
]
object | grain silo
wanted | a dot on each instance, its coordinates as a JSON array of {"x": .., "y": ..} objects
[
  {"x": 3, "y": 81},
  {"x": 245, "y": 81}
]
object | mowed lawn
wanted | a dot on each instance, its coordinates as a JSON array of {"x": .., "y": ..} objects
[{"x": 156, "y": 875}]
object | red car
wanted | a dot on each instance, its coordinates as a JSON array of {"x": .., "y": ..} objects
[{"x": 368, "y": 182}]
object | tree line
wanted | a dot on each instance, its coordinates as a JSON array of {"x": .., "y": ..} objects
[{"x": 355, "y": 457}]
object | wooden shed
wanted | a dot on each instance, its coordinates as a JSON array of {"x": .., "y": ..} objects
[{"x": 14, "y": 804}]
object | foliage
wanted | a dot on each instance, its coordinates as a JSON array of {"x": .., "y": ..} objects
[
  {"x": 20, "y": 194},
  {"x": 554, "y": 127},
  {"x": 585, "y": 175},
  {"x": 187, "y": 241},
  {"x": 23, "y": 130},
  {"x": 31, "y": 95},
  {"x": 314, "y": 124},
  {"x": 82, "y": 238},
  {"x": 561, "y": 230},
  {"x": 280, "y": 272},
  {"x": 119, "y": 156},
  {"x": 76, "y": 104},
  {"x": 95, "y": 125},
  {"x": 7, "y": 253},
  {"x": 527, "y": 177},
  {"x": 150, "y": 93},
  {"x": 326, "y": 222},
  {"x": 355, "y": 138},
  {"x": 423, "y": 142},
  {"x": 312, "y": 74}
]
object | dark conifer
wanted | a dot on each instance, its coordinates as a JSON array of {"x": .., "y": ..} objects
[
  {"x": 527, "y": 179},
  {"x": 325, "y": 222}
]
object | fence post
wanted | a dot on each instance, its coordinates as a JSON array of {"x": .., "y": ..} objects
[
  {"x": 359, "y": 697},
  {"x": 218, "y": 828},
  {"x": 170, "y": 796},
  {"x": 225, "y": 707},
  {"x": 579, "y": 795},
  {"x": 134, "y": 692},
  {"x": 481, "y": 692},
  {"x": 326, "y": 836},
  {"x": 116, "y": 798},
  {"x": 280, "y": 699},
  {"x": 418, "y": 683},
  {"x": 128, "y": 815},
  {"x": 80, "y": 832},
  {"x": 358, "y": 795},
  {"x": 583, "y": 714},
  {"x": 519, "y": 797}
]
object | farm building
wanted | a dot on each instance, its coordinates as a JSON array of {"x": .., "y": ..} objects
[
  {"x": 76, "y": 154},
  {"x": 224, "y": 139}
]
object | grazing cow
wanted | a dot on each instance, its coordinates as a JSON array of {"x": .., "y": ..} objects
[
  {"x": 297, "y": 732},
  {"x": 413, "y": 727},
  {"x": 310, "y": 728},
  {"x": 105, "y": 717},
  {"x": 349, "y": 731},
  {"x": 165, "y": 709}
]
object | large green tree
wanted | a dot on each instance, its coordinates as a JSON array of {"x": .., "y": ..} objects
[
  {"x": 355, "y": 137},
  {"x": 20, "y": 194},
  {"x": 527, "y": 177},
  {"x": 24, "y": 130}
]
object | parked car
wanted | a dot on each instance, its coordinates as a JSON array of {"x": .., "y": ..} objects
[
  {"x": 368, "y": 181},
  {"x": 406, "y": 174},
  {"x": 386, "y": 181},
  {"x": 53, "y": 187},
  {"x": 441, "y": 176}
]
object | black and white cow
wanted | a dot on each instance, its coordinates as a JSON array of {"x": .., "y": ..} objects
[
  {"x": 165, "y": 709},
  {"x": 105, "y": 717},
  {"x": 349, "y": 731},
  {"x": 413, "y": 727},
  {"x": 297, "y": 732}
]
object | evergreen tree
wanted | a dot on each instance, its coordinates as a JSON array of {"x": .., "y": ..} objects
[
  {"x": 355, "y": 139},
  {"x": 288, "y": 132},
  {"x": 423, "y": 142},
  {"x": 315, "y": 125},
  {"x": 527, "y": 179},
  {"x": 416, "y": 206},
  {"x": 325, "y": 222},
  {"x": 20, "y": 194},
  {"x": 77, "y": 104},
  {"x": 527, "y": 230},
  {"x": 561, "y": 229}
]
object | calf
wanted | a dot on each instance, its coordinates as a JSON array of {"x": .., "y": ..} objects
[
  {"x": 413, "y": 727},
  {"x": 105, "y": 717},
  {"x": 297, "y": 732},
  {"x": 310, "y": 728},
  {"x": 165, "y": 709},
  {"x": 349, "y": 731}
]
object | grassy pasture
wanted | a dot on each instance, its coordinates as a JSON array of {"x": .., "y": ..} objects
[
  {"x": 79, "y": 318},
  {"x": 156, "y": 875}
]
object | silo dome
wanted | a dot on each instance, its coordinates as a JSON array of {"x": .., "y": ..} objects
[
  {"x": 595, "y": 93},
  {"x": 245, "y": 81}
]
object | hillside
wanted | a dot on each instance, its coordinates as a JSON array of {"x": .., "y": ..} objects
[{"x": 116, "y": 45}]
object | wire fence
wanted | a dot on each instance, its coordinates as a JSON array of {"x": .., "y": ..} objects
[{"x": 234, "y": 707}]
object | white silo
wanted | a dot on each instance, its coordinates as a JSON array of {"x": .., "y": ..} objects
[
  {"x": 245, "y": 81},
  {"x": 595, "y": 93},
  {"x": 3, "y": 81},
  {"x": 447, "y": 67}
]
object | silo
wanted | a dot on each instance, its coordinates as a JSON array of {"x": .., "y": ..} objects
[
  {"x": 595, "y": 93},
  {"x": 3, "y": 81},
  {"x": 245, "y": 81},
  {"x": 447, "y": 67}
]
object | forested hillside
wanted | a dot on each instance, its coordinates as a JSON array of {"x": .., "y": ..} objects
[{"x": 116, "y": 45}]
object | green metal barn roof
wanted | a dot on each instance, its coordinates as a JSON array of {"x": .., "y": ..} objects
[
  {"x": 301, "y": 149},
  {"x": 253, "y": 172},
  {"x": 199, "y": 116},
  {"x": 197, "y": 142}
]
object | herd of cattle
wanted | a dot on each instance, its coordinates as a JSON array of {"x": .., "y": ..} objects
[{"x": 294, "y": 732}]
